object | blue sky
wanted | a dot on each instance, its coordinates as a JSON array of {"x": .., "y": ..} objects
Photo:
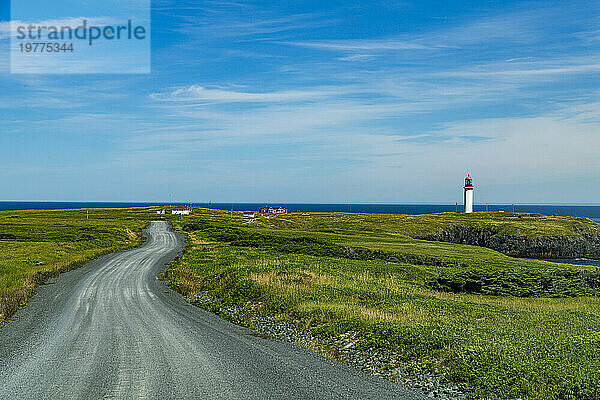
[{"x": 321, "y": 101}]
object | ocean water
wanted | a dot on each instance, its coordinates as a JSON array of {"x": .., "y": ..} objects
[
  {"x": 577, "y": 261},
  {"x": 589, "y": 211},
  {"x": 65, "y": 205}
]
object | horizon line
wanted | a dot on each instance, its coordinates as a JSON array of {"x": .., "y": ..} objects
[{"x": 165, "y": 203}]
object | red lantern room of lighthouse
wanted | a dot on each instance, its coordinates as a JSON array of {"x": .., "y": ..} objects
[{"x": 468, "y": 181}]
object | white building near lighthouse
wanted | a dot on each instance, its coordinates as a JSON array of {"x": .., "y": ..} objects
[{"x": 468, "y": 194}]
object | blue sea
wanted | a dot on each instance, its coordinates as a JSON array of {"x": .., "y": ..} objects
[
  {"x": 589, "y": 211},
  {"x": 577, "y": 261}
]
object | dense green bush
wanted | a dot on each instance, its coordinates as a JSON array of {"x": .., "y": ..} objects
[{"x": 557, "y": 282}]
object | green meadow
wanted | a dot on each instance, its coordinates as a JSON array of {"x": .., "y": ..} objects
[
  {"x": 504, "y": 327},
  {"x": 35, "y": 245},
  {"x": 529, "y": 225}
]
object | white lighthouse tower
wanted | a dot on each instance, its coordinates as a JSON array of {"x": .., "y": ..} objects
[{"x": 468, "y": 194}]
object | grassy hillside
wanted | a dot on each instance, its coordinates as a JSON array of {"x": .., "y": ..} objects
[
  {"x": 37, "y": 244},
  {"x": 528, "y": 225},
  {"x": 536, "y": 337},
  {"x": 520, "y": 235}
]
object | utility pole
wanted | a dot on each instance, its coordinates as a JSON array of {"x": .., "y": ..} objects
[{"x": 87, "y": 214}]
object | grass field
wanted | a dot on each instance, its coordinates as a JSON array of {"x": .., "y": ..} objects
[
  {"x": 35, "y": 245},
  {"x": 528, "y": 225},
  {"x": 514, "y": 328},
  {"x": 504, "y": 327}
]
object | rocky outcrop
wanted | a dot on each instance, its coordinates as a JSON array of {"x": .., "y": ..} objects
[{"x": 583, "y": 243}]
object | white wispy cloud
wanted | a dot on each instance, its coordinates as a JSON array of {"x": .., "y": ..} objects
[
  {"x": 521, "y": 27},
  {"x": 529, "y": 69},
  {"x": 357, "y": 57},
  {"x": 247, "y": 23},
  {"x": 362, "y": 45},
  {"x": 531, "y": 148},
  {"x": 218, "y": 95}
]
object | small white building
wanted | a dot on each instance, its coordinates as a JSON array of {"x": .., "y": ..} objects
[
  {"x": 182, "y": 211},
  {"x": 248, "y": 214},
  {"x": 160, "y": 212}
]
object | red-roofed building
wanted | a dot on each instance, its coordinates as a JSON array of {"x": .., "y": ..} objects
[
  {"x": 273, "y": 210},
  {"x": 182, "y": 210}
]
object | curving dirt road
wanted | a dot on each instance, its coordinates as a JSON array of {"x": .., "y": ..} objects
[{"x": 112, "y": 330}]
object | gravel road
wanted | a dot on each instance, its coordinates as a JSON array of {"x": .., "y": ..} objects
[{"x": 112, "y": 330}]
